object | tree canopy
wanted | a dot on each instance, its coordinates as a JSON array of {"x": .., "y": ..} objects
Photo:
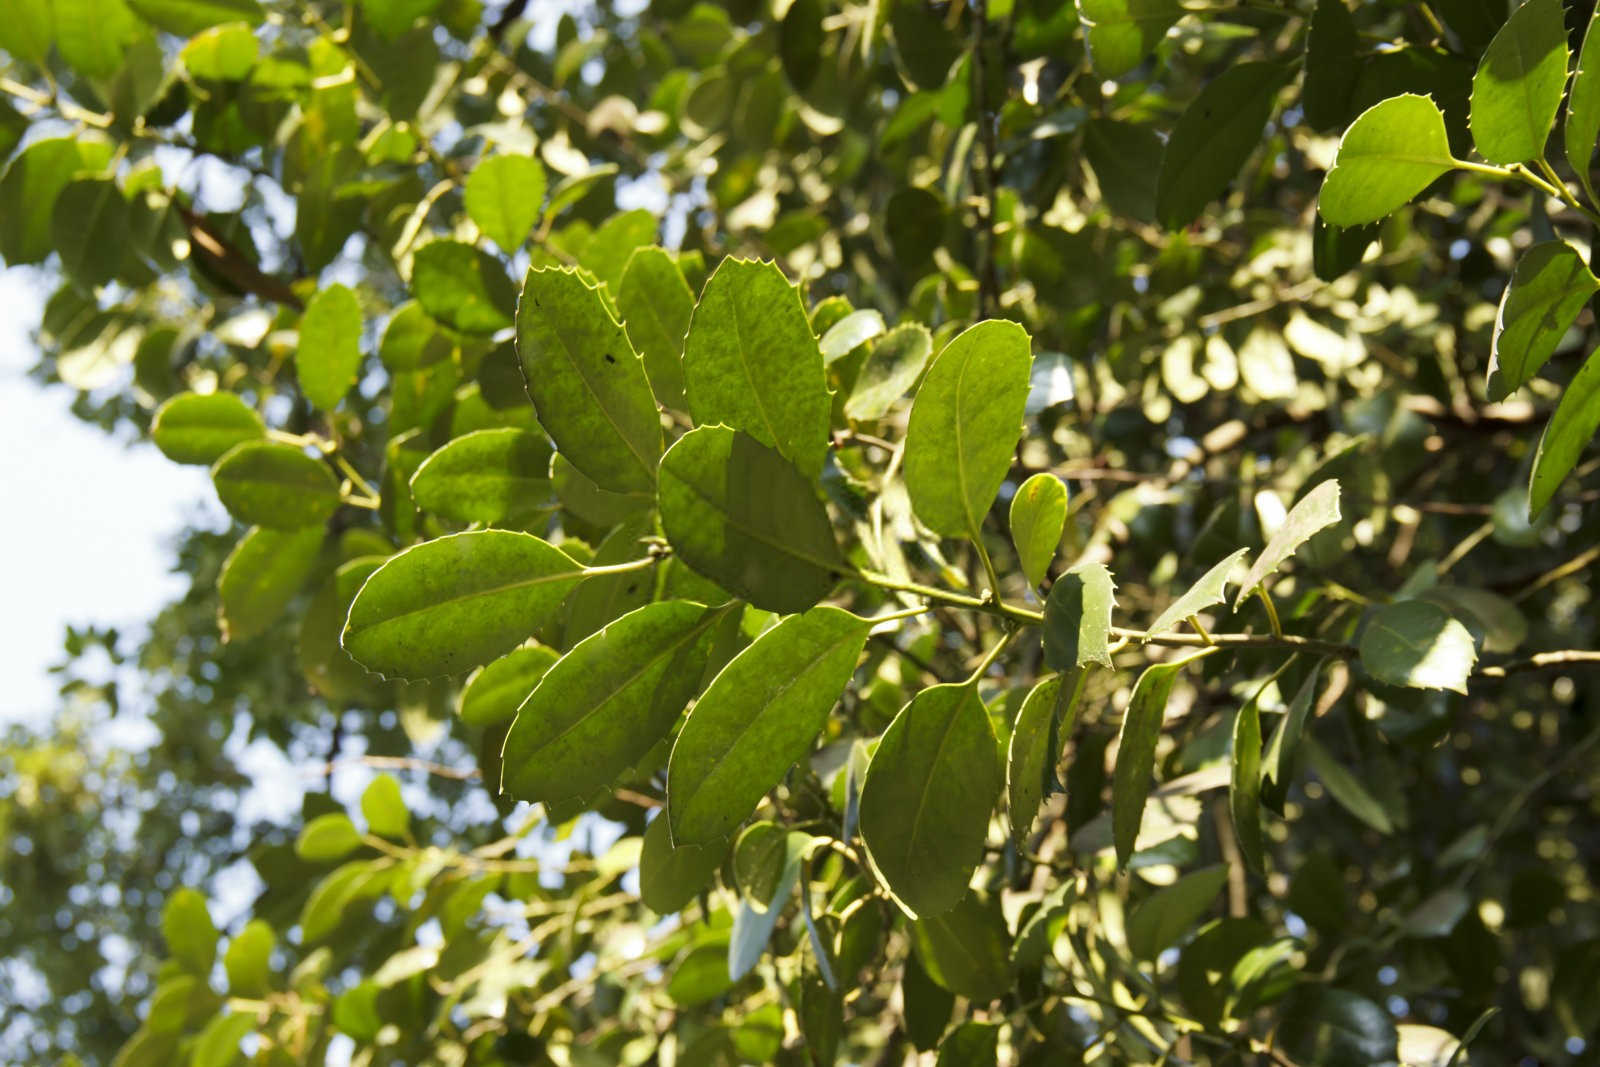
[{"x": 829, "y": 531}]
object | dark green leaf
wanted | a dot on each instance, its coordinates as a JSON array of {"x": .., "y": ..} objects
[
  {"x": 1212, "y": 588},
  {"x": 892, "y": 367},
  {"x": 384, "y": 808},
  {"x": 606, "y": 703},
  {"x": 671, "y": 876},
  {"x": 587, "y": 383},
  {"x": 449, "y": 604},
  {"x": 964, "y": 949},
  {"x": 1120, "y": 33},
  {"x": 1136, "y": 750},
  {"x": 1393, "y": 151},
  {"x": 1047, "y": 714},
  {"x": 1345, "y": 787},
  {"x": 275, "y": 485},
  {"x": 1334, "y": 1028},
  {"x": 1038, "y": 518},
  {"x": 656, "y": 305},
  {"x": 327, "y": 837},
  {"x": 1211, "y": 142},
  {"x": 1244, "y": 779},
  {"x": 196, "y": 428},
  {"x": 190, "y": 934},
  {"x": 262, "y": 574},
  {"x": 1077, "y": 618},
  {"x": 188, "y": 17},
  {"x": 926, "y": 802},
  {"x": 759, "y": 715},
  {"x": 1547, "y": 290},
  {"x": 462, "y": 287},
  {"x": 1164, "y": 916},
  {"x": 486, "y": 476},
  {"x": 751, "y": 362},
  {"x": 1127, "y": 165},
  {"x": 971, "y": 1044},
  {"x": 1336, "y": 250},
  {"x": 1283, "y": 752},
  {"x": 1332, "y": 47},
  {"x": 758, "y": 916},
  {"x": 800, "y": 42},
  {"x": 1519, "y": 84},
  {"x": 504, "y": 195},
  {"x": 497, "y": 689},
  {"x": 329, "y": 355},
  {"x": 1566, "y": 436},
  {"x": 926, "y": 1005},
  {"x": 1582, "y": 126},
  {"x": 1314, "y": 511},
  {"x": 1417, "y": 644},
  {"x": 743, "y": 516},
  {"x": 965, "y": 425}
]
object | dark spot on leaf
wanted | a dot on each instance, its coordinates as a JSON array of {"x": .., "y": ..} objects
[{"x": 610, "y": 358}]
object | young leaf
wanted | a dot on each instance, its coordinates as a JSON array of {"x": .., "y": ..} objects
[
  {"x": 965, "y": 425},
  {"x": 384, "y": 808},
  {"x": 1077, "y": 618},
  {"x": 740, "y": 514},
  {"x": 1417, "y": 644},
  {"x": 497, "y": 689},
  {"x": 671, "y": 876},
  {"x": 195, "y": 428},
  {"x": 1519, "y": 83},
  {"x": 1566, "y": 435},
  {"x": 657, "y": 304},
  {"x": 486, "y": 476},
  {"x": 1582, "y": 127},
  {"x": 587, "y": 384},
  {"x": 849, "y": 333},
  {"x": 1136, "y": 750},
  {"x": 1548, "y": 289},
  {"x": 1218, "y": 131},
  {"x": 462, "y": 287},
  {"x": 275, "y": 485},
  {"x": 1038, "y": 517},
  {"x": 1283, "y": 752},
  {"x": 1046, "y": 715},
  {"x": 930, "y": 788},
  {"x": 452, "y": 603},
  {"x": 751, "y": 362},
  {"x": 1158, "y": 920},
  {"x": 892, "y": 367},
  {"x": 607, "y": 702},
  {"x": 965, "y": 948},
  {"x": 327, "y": 837},
  {"x": 1120, "y": 33},
  {"x": 1212, "y": 588},
  {"x": 1393, "y": 151},
  {"x": 758, "y": 716},
  {"x": 261, "y": 576},
  {"x": 504, "y": 195},
  {"x": 1314, "y": 511},
  {"x": 329, "y": 353}
]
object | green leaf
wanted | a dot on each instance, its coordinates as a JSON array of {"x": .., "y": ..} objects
[
  {"x": 607, "y": 252},
  {"x": 606, "y": 703},
  {"x": 33, "y": 181},
  {"x": 26, "y": 31},
  {"x": 751, "y": 362},
  {"x": 1418, "y": 644},
  {"x": 188, "y": 17},
  {"x": 329, "y": 354},
  {"x": 850, "y": 333},
  {"x": 462, "y": 287},
  {"x": 413, "y": 340},
  {"x": 189, "y": 932},
  {"x": 1038, "y": 518},
  {"x": 1346, "y": 788},
  {"x": 222, "y": 53},
  {"x": 90, "y": 216},
  {"x": 263, "y": 573},
  {"x": 1332, "y": 67},
  {"x": 324, "y": 662},
  {"x": 970, "y": 1044},
  {"x": 1547, "y": 290},
  {"x": 486, "y": 476},
  {"x": 1212, "y": 588},
  {"x": 196, "y": 428},
  {"x": 248, "y": 959},
  {"x": 1126, "y": 160},
  {"x": 1283, "y": 752},
  {"x": 327, "y": 837},
  {"x": 758, "y": 916},
  {"x": 504, "y": 195},
  {"x": 1244, "y": 777},
  {"x": 497, "y": 689},
  {"x": 926, "y": 802},
  {"x": 605, "y": 598},
  {"x": 1121, "y": 33},
  {"x": 1160, "y": 919},
  {"x": 1136, "y": 750},
  {"x": 1213, "y": 138},
  {"x": 891, "y": 368},
  {"x": 965, "y": 424},
  {"x": 1566, "y": 435},
  {"x": 740, "y": 514},
  {"x": 218, "y": 1045},
  {"x": 1077, "y": 618},
  {"x": 275, "y": 485},
  {"x": 760, "y": 853},
  {"x": 384, "y": 808},
  {"x": 800, "y": 41},
  {"x": 1582, "y": 126},
  {"x": 449, "y": 604},
  {"x": 1334, "y": 1028},
  {"x": 1519, "y": 83},
  {"x": 966, "y": 949},
  {"x": 1047, "y": 714},
  {"x": 671, "y": 876},
  {"x": 587, "y": 383},
  {"x": 656, "y": 305},
  {"x": 1393, "y": 151},
  {"x": 758, "y": 716},
  {"x": 926, "y": 1005},
  {"x": 391, "y": 18},
  {"x": 94, "y": 35},
  {"x": 1315, "y": 510}
]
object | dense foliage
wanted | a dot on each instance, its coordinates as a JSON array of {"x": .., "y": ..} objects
[{"x": 1045, "y": 533}]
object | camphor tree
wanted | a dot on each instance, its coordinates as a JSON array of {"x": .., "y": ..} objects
[{"x": 1025, "y": 524}]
